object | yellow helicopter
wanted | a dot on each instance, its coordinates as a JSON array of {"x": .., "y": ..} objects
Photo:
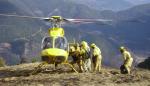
[{"x": 55, "y": 47}]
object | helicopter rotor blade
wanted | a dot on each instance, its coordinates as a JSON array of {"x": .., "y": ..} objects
[
  {"x": 102, "y": 21},
  {"x": 32, "y": 17},
  {"x": 47, "y": 19},
  {"x": 88, "y": 20}
]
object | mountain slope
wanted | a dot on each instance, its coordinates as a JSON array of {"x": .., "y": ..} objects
[
  {"x": 116, "y": 5},
  {"x": 136, "y": 2},
  {"x": 134, "y": 12},
  {"x": 129, "y": 27},
  {"x": 135, "y": 23},
  {"x": 13, "y": 28},
  {"x": 106, "y": 4},
  {"x": 53, "y": 7}
]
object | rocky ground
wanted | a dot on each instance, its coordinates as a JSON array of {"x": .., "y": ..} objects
[{"x": 20, "y": 75}]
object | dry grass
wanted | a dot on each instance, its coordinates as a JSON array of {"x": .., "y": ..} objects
[{"x": 63, "y": 76}]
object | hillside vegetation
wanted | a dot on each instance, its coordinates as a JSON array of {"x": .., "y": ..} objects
[
  {"x": 129, "y": 27},
  {"x": 63, "y": 76}
]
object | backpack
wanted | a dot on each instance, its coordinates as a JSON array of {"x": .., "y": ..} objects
[{"x": 87, "y": 54}]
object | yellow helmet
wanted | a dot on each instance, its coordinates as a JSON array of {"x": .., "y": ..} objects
[
  {"x": 122, "y": 48},
  {"x": 72, "y": 48},
  {"x": 83, "y": 43},
  {"x": 93, "y": 45}
]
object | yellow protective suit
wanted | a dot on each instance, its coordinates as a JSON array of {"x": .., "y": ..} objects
[
  {"x": 85, "y": 54},
  {"x": 96, "y": 57},
  {"x": 127, "y": 61},
  {"x": 75, "y": 54}
]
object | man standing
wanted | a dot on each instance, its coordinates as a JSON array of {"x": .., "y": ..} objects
[
  {"x": 85, "y": 54},
  {"x": 126, "y": 67},
  {"x": 75, "y": 54},
  {"x": 96, "y": 57}
]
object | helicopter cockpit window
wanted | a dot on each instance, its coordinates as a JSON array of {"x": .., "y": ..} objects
[
  {"x": 61, "y": 42},
  {"x": 46, "y": 43}
]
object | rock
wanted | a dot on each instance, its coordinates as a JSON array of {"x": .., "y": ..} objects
[{"x": 145, "y": 64}]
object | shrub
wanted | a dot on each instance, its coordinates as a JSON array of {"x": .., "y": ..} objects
[
  {"x": 33, "y": 60},
  {"x": 2, "y": 62}
]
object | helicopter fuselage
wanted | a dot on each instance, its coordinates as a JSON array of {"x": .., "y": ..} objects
[
  {"x": 54, "y": 55},
  {"x": 54, "y": 47}
]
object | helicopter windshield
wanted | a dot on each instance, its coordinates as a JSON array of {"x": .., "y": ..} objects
[
  {"x": 46, "y": 43},
  {"x": 59, "y": 42}
]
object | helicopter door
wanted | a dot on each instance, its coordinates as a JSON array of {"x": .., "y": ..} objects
[
  {"x": 61, "y": 43},
  {"x": 46, "y": 42}
]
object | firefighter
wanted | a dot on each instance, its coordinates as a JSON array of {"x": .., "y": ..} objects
[
  {"x": 75, "y": 53},
  {"x": 96, "y": 57},
  {"x": 126, "y": 67},
  {"x": 85, "y": 54}
]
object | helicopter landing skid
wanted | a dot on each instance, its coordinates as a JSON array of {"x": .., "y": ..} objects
[
  {"x": 71, "y": 67},
  {"x": 37, "y": 69}
]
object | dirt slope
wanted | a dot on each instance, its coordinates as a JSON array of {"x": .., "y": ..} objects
[{"x": 63, "y": 76}]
